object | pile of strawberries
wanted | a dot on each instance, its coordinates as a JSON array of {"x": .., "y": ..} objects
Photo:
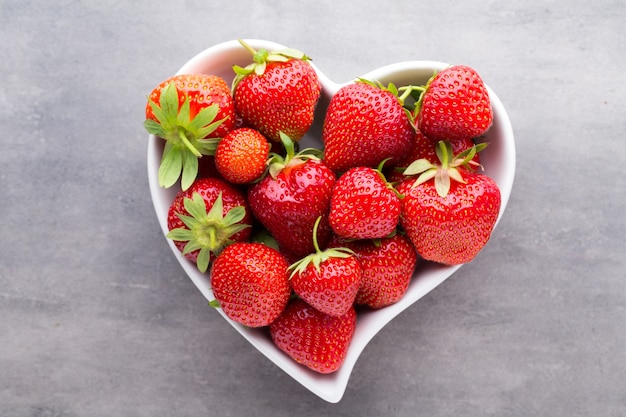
[{"x": 298, "y": 240}]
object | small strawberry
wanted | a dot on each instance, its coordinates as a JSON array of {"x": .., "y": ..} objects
[
  {"x": 312, "y": 338},
  {"x": 454, "y": 105},
  {"x": 365, "y": 124},
  {"x": 207, "y": 217},
  {"x": 289, "y": 200},
  {"x": 387, "y": 265},
  {"x": 250, "y": 283},
  {"x": 190, "y": 112},
  {"x": 364, "y": 205},
  {"x": 448, "y": 211},
  {"x": 327, "y": 280},
  {"x": 241, "y": 155},
  {"x": 278, "y": 92}
]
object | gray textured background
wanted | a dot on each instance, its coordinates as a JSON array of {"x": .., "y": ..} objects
[{"x": 98, "y": 319}]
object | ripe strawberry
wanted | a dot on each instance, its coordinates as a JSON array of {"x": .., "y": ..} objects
[
  {"x": 241, "y": 155},
  {"x": 278, "y": 92},
  {"x": 387, "y": 268},
  {"x": 327, "y": 280},
  {"x": 190, "y": 112},
  {"x": 454, "y": 105},
  {"x": 312, "y": 338},
  {"x": 250, "y": 283},
  {"x": 448, "y": 212},
  {"x": 364, "y": 205},
  {"x": 365, "y": 124},
  {"x": 289, "y": 200},
  {"x": 206, "y": 217}
]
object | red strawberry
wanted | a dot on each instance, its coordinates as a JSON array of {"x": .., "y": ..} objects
[
  {"x": 387, "y": 268},
  {"x": 455, "y": 105},
  {"x": 241, "y": 155},
  {"x": 190, "y": 112},
  {"x": 312, "y": 338},
  {"x": 328, "y": 280},
  {"x": 205, "y": 218},
  {"x": 364, "y": 205},
  {"x": 448, "y": 212},
  {"x": 278, "y": 92},
  {"x": 250, "y": 283},
  {"x": 289, "y": 200},
  {"x": 365, "y": 124}
]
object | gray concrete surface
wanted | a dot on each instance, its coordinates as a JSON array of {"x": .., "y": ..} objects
[{"x": 98, "y": 319}]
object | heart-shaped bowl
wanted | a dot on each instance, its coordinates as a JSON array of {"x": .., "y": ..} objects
[{"x": 498, "y": 160}]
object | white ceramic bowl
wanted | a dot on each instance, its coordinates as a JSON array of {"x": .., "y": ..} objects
[{"x": 498, "y": 160}]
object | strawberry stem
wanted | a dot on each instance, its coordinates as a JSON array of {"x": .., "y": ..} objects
[
  {"x": 408, "y": 90},
  {"x": 187, "y": 143},
  {"x": 315, "y": 227},
  {"x": 319, "y": 256},
  {"x": 248, "y": 47}
]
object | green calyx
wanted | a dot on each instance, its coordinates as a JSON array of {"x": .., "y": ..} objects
[
  {"x": 184, "y": 136},
  {"x": 276, "y": 163},
  {"x": 208, "y": 232},
  {"x": 319, "y": 256},
  {"x": 448, "y": 170},
  {"x": 261, "y": 58}
]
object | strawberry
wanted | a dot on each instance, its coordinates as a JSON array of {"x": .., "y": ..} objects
[
  {"x": 387, "y": 268},
  {"x": 365, "y": 124},
  {"x": 191, "y": 112},
  {"x": 364, "y": 205},
  {"x": 312, "y": 338},
  {"x": 327, "y": 280},
  {"x": 448, "y": 211},
  {"x": 454, "y": 105},
  {"x": 278, "y": 92},
  {"x": 241, "y": 155},
  {"x": 289, "y": 200},
  {"x": 250, "y": 283},
  {"x": 206, "y": 217}
]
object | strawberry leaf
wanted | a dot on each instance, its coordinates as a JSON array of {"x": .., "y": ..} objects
[
  {"x": 190, "y": 170},
  {"x": 208, "y": 129},
  {"x": 180, "y": 234},
  {"x": 442, "y": 182},
  {"x": 171, "y": 164},
  {"x": 196, "y": 207},
  {"x": 154, "y": 128},
  {"x": 169, "y": 105},
  {"x": 425, "y": 176},
  {"x": 203, "y": 118},
  {"x": 291, "y": 53},
  {"x": 204, "y": 256},
  {"x": 207, "y": 146},
  {"x": 182, "y": 118},
  {"x": 419, "y": 166},
  {"x": 276, "y": 58}
]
